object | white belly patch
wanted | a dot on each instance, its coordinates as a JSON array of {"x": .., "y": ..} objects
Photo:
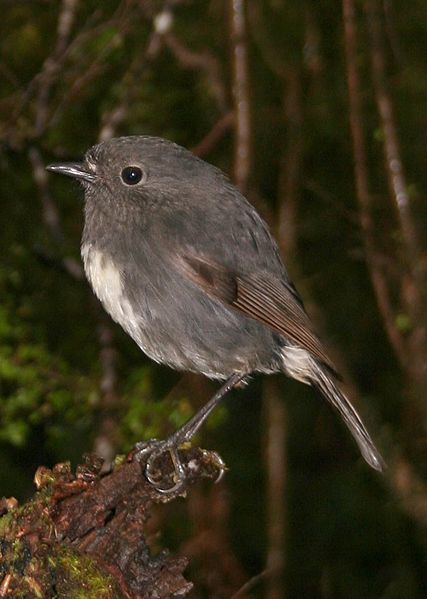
[{"x": 106, "y": 281}]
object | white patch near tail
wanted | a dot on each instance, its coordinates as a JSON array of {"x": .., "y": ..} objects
[{"x": 297, "y": 363}]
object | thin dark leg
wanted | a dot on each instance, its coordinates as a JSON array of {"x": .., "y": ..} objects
[
  {"x": 190, "y": 428},
  {"x": 183, "y": 435}
]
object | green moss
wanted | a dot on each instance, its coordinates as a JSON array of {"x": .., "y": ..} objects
[
  {"x": 79, "y": 576},
  {"x": 6, "y": 522},
  {"x": 119, "y": 460}
]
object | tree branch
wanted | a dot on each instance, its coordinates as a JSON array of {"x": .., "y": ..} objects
[
  {"x": 373, "y": 259},
  {"x": 412, "y": 246},
  {"x": 85, "y": 532},
  {"x": 241, "y": 94}
]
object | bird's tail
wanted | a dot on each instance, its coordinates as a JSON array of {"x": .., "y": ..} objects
[{"x": 324, "y": 382}]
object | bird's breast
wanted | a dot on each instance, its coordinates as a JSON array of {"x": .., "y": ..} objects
[{"x": 106, "y": 280}]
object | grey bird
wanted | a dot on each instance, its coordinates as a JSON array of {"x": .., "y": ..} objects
[{"x": 184, "y": 263}]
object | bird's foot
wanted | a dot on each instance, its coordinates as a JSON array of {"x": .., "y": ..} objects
[
  {"x": 187, "y": 463},
  {"x": 170, "y": 467}
]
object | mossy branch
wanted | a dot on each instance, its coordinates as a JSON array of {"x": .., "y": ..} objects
[{"x": 82, "y": 534}]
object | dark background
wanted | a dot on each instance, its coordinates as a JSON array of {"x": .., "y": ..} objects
[{"x": 317, "y": 110}]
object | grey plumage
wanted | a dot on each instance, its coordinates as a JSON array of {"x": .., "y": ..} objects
[{"x": 189, "y": 269}]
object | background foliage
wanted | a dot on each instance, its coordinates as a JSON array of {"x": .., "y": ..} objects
[{"x": 286, "y": 97}]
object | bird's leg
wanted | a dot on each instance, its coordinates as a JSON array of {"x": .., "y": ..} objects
[{"x": 156, "y": 448}]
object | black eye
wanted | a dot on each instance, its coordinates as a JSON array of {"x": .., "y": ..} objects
[{"x": 131, "y": 175}]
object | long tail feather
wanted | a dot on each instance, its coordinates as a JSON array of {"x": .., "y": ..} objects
[{"x": 324, "y": 382}]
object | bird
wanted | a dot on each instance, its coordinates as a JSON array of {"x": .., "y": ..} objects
[{"x": 186, "y": 265}]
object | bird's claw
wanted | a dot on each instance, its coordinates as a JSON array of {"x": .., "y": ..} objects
[
  {"x": 150, "y": 452},
  {"x": 216, "y": 460},
  {"x": 153, "y": 450}
]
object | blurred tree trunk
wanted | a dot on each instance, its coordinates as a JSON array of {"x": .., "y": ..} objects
[
  {"x": 274, "y": 408},
  {"x": 402, "y": 290},
  {"x": 412, "y": 252},
  {"x": 409, "y": 348}
]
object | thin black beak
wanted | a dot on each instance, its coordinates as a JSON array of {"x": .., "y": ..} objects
[{"x": 73, "y": 169}]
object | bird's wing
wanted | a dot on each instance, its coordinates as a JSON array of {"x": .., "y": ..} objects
[{"x": 260, "y": 296}]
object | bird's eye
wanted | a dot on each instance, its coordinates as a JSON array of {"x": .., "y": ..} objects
[{"x": 131, "y": 175}]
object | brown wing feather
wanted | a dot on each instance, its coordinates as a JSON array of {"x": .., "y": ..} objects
[{"x": 258, "y": 296}]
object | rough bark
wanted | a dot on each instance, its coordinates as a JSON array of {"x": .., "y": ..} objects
[{"x": 83, "y": 534}]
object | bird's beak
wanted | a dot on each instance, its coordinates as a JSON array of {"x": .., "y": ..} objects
[{"x": 73, "y": 169}]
